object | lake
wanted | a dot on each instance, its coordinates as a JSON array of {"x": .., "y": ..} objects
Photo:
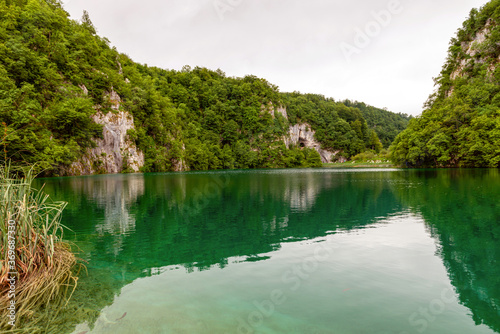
[{"x": 311, "y": 251}]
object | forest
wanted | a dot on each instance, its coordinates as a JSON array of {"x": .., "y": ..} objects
[
  {"x": 460, "y": 126},
  {"x": 56, "y": 72}
]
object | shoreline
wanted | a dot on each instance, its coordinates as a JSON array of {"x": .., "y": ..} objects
[{"x": 359, "y": 165}]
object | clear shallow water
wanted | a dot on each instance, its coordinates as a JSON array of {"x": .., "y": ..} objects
[{"x": 286, "y": 251}]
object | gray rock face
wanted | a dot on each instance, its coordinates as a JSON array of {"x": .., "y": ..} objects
[
  {"x": 303, "y": 135},
  {"x": 270, "y": 108},
  {"x": 115, "y": 151},
  {"x": 84, "y": 89},
  {"x": 471, "y": 49},
  {"x": 279, "y": 110},
  {"x": 180, "y": 165}
]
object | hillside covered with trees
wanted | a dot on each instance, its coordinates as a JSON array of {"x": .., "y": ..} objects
[
  {"x": 460, "y": 126},
  {"x": 351, "y": 127},
  {"x": 55, "y": 73}
]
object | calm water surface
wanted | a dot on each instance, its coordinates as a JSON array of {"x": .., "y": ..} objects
[{"x": 285, "y": 251}]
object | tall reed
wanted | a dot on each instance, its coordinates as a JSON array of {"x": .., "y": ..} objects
[{"x": 43, "y": 262}]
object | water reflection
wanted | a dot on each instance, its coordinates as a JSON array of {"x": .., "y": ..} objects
[
  {"x": 144, "y": 225},
  {"x": 112, "y": 197},
  {"x": 462, "y": 210}
]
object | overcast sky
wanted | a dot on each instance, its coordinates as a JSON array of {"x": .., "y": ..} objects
[{"x": 382, "y": 52}]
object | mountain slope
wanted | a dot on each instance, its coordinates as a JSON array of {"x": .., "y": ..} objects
[
  {"x": 74, "y": 105},
  {"x": 387, "y": 125},
  {"x": 461, "y": 125}
]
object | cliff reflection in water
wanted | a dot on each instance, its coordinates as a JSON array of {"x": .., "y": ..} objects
[
  {"x": 132, "y": 226},
  {"x": 201, "y": 219},
  {"x": 462, "y": 209}
]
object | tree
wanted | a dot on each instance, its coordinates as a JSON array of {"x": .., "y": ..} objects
[{"x": 87, "y": 23}]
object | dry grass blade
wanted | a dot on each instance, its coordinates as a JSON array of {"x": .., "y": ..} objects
[{"x": 44, "y": 262}]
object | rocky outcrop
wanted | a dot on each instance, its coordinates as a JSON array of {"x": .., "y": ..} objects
[
  {"x": 471, "y": 49},
  {"x": 180, "y": 165},
  {"x": 115, "y": 151},
  {"x": 270, "y": 108},
  {"x": 302, "y": 135},
  {"x": 279, "y": 110}
]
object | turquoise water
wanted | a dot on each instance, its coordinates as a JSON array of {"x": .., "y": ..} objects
[{"x": 286, "y": 251}]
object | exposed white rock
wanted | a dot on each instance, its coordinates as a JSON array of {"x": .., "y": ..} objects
[
  {"x": 180, "y": 165},
  {"x": 280, "y": 110},
  {"x": 120, "y": 70},
  {"x": 113, "y": 99},
  {"x": 115, "y": 150},
  {"x": 85, "y": 90},
  {"x": 303, "y": 135},
  {"x": 274, "y": 110},
  {"x": 460, "y": 68},
  {"x": 480, "y": 38},
  {"x": 471, "y": 49}
]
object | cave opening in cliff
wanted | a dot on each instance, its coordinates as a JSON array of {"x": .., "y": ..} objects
[{"x": 302, "y": 142}]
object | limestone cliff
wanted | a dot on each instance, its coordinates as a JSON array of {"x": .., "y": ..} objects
[
  {"x": 471, "y": 53},
  {"x": 180, "y": 165},
  {"x": 302, "y": 135},
  {"x": 278, "y": 110},
  {"x": 115, "y": 152}
]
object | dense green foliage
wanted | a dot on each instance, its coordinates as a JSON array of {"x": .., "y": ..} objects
[
  {"x": 351, "y": 127},
  {"x": 208, "y": 120},
  {"x": 387, "y": 125},
  {"x": 55, "y": 73},
  {"x": 461, "y": 125},
  {"x": 43, "y": 58},
  {"x": 370, "y": 157},
  {"x": 337, "y": 126}
]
